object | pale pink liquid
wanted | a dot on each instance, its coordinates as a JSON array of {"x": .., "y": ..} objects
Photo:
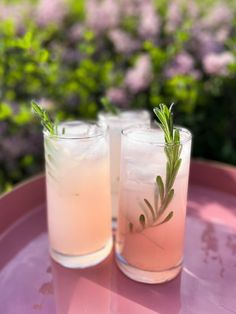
[
  {"x": 152, "y": 248},
  {"x": 78, "y": 196},
  {"x": 79, "y": 209}
]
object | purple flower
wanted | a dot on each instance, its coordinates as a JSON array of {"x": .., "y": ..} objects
[
  {"x": 219, "y": 15},
  {"x": 130, "y": 7},
  {"x": 71, "y": 55},
  {"x": 149, "y": 21},
  {"x": 211, "y": 31},
  {"x": 3, "y": 127},
  {"x": 16, "y": 146},
  {"x": 203, "y": 43},
  {"x": 52, "y": 11},
  {"x": 183, "y": 64},
  {"x": 117, "y": 96},
  {"x": 27, "y": 141},
  {"x": 102, "y": 15},
  {"x": 192, "y": 9},
  {"x": 217, "y": 64},
  {"x": 174, "y": 16},
  {"x": 222, "y": 34},
  {"x": 15, "y": 12},
  {"x": 76, "y": 31},
  {"x": 123, "y": 42},
  {"x": 176, "y": 12},
  {"x": 139, "y": 77}
]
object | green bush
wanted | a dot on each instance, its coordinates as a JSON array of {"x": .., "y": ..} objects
[{"x": 68, "y": 54}]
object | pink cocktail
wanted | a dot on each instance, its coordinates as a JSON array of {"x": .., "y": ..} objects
[
  {"x": 150, "y": 234},
  {"x": 78, "y": 194}
]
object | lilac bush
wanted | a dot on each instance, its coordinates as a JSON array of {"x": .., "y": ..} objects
[{"x": 67, "y": 54}]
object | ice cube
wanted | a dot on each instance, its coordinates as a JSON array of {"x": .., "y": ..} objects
[{"x": 78, "y": 129}]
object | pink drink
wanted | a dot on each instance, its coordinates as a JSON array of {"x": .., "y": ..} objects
[
  {"x": 116, "y": 123},
  {"x": 78, "y": 194},
  {"x": 150, "y": 253}
]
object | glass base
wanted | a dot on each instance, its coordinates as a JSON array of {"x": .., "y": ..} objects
[
  {"x": 145, "y": 276},
  {"x": 82, "y": 261}
]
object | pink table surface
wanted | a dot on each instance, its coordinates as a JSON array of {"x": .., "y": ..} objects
[{"x": 30, "y": 282}]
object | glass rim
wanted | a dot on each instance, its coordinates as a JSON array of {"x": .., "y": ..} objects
[
  {"x": 131, "y": 129},
  {"x": 103, "y": 114},
  {"x": 101, "y": 127}
]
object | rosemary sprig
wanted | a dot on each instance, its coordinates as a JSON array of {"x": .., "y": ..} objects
[
  {"x": 45, "y": 120},
  {"x": 109, "y": 107},
  {"x": 164, "y": 192}
]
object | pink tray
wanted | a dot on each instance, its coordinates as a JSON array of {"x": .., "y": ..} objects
[{"x": 30, "y": 282}]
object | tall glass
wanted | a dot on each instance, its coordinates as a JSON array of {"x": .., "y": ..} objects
[
  {"x": 78, "y": 194},
  {"x": 115, "y": 124},
  {"x": 151, "y": 219}
]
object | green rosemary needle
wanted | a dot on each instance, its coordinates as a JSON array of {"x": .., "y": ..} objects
[{"x": 45, "y": 120}]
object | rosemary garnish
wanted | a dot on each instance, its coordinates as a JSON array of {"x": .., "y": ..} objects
[
  {"x": 50, "y": 148},
  {"x": 109, "y": 107},
  {"x": 164, "y": 191},
  {"x": 46, "y": 122}
]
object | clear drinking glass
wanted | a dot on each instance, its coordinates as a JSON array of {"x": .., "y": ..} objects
[
  {"x": 78, "y": 194},
  {"x": 115, "y": 124},
  {"x": 150, "y": 232}
]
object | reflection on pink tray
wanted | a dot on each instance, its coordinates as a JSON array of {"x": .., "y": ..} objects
[
  {"x": 31, "y": 283},
  {"x": 104, "y": 289}
]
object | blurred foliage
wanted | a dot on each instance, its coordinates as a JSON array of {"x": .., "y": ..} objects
[{"x": 68, "y": 54}]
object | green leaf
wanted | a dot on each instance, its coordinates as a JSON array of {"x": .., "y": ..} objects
[
  {"x": 176, "y": 154},
  {"x": 150, "y": 208},
  {"x": 156, "y": 201},
  {"x": 23, "y": 116},
  {"x": 162, "y": 119},
  {"x": 168, "y": 174},
  {"x": 168, "y": 199},
  {"x": 168, "y": 217},
  {"x": 43, "y": 56},
  {"x": 165, "y": 116},
  {"x": 109, "y": 107},
  {"x": 176, "y": 136},
  {"x": 142, "y": 220},
  {"x": 27, "y": 161},
  {"x": 171, "y": 123},
  {"x": 5, "y": 111},
  {"x": 44, "y": 118},
  {"x": 168, "y": 152},
  {"x": 160, "y": 187},
  {"x": 88, "y": 35},
  {"x": 174, "y": 174}
]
